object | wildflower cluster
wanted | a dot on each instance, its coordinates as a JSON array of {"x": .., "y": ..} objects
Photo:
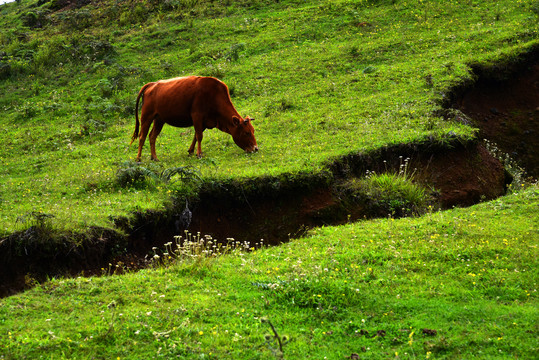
[
  {"x": 519, "y": 177},
  {"x": 196, "y": 248}
]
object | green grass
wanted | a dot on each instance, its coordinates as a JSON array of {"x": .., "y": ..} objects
[
  {"x": 387, "y": 194},
  {"x": 447, "y": 285},
  {"x": 322, "y": 79}
]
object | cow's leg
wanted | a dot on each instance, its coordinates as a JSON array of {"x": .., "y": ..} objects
[
  {"x": 198, "y": 124},
  {"x": 145, "y": 123},
  {"x": 192, "y": 147},
  {"x": 157, "y": 127},
  {"x": 198, "y": 135}
]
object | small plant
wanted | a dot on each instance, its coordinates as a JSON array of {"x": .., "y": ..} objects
[
  {"x": 112, "y": 307},
  {"x": 234, "y": 53},
  {"x": 274, "y": 341},
  {"x": 354, "y": 51},
  {"x": 185, "y": 173},
  {"x": 197, "y": 249},
  {"x": 40, "y": 234},
  {"x": 395, "y": 193},
  {"x": 132, "y": 174},
  {"x": 36, "y": 219},
  {"x": 369, "y": 70},
  {"x": 92, "y": 127},
  {"x": 517, "y": 173},
  {"x": 105, "y": 88}
]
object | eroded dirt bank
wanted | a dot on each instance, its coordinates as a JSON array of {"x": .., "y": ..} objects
[
  {"x": 507, "y": 113},
  {"x": 273, "y": 209},
  {"x": 461, "y": 176}
]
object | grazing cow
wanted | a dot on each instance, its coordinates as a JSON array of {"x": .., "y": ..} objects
[{"x": 201, "y": 102}]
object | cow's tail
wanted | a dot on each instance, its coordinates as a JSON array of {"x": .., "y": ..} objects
[{"x": 140, "y": 95}]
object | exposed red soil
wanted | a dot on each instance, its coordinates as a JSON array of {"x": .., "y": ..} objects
[
  {"x": 507, "y": 113},
  {"x": 462, "y": 176}
]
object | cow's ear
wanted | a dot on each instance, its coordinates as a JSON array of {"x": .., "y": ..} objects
[{"x": 236, "y": 120}]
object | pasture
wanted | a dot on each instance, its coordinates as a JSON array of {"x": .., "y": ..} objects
[{"x": 332, "y": 85}]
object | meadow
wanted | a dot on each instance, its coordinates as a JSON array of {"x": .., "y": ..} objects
[{"x": 323, "y": 79}]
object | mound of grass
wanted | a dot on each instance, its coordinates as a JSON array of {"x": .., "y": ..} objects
[
  {"x": 322, "y": 78},
  {"x": 386, "y": 195},
  {"x": 453, "y": 284},
  {"x": 392, "y": 194}
]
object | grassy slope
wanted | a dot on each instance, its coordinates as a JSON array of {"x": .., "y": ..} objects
[
  {"x": 470, "y": 274},
  {"x": 322, "y": 78},
  {"x": 368, "y": 288}
]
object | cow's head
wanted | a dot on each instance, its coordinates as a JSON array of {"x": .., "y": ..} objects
[{"x": 243, "y": 133}]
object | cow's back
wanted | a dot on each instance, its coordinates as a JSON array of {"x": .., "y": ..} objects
[
  {"x": 212, "y": 98},
  {"x": 176, "y": 100},
  {"x": 171, "y": 100}
]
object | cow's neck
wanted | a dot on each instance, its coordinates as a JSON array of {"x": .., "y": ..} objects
[{"x": 225, "y": 127}]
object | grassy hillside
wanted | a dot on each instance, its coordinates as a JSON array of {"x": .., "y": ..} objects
[
  {"x": 459, "y": 284},
  {"x": 321, "y": 78}
]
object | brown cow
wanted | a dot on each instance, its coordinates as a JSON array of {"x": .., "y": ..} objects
[{"x": 202, "y": 102}]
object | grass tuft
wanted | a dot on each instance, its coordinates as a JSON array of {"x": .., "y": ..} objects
[{"x": 392, "y": 194}]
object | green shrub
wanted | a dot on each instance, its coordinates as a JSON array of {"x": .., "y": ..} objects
[
  {"x": 132, "y": 174},
  {"x": 105, "y": 88},
  {"x": 92, "y": 127},
  {"x": 78, "y": 19},
  {"x": 392, "y": 194},
  {"x": 234, "y": 53},
  {"x": 185, "y": 174}
]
